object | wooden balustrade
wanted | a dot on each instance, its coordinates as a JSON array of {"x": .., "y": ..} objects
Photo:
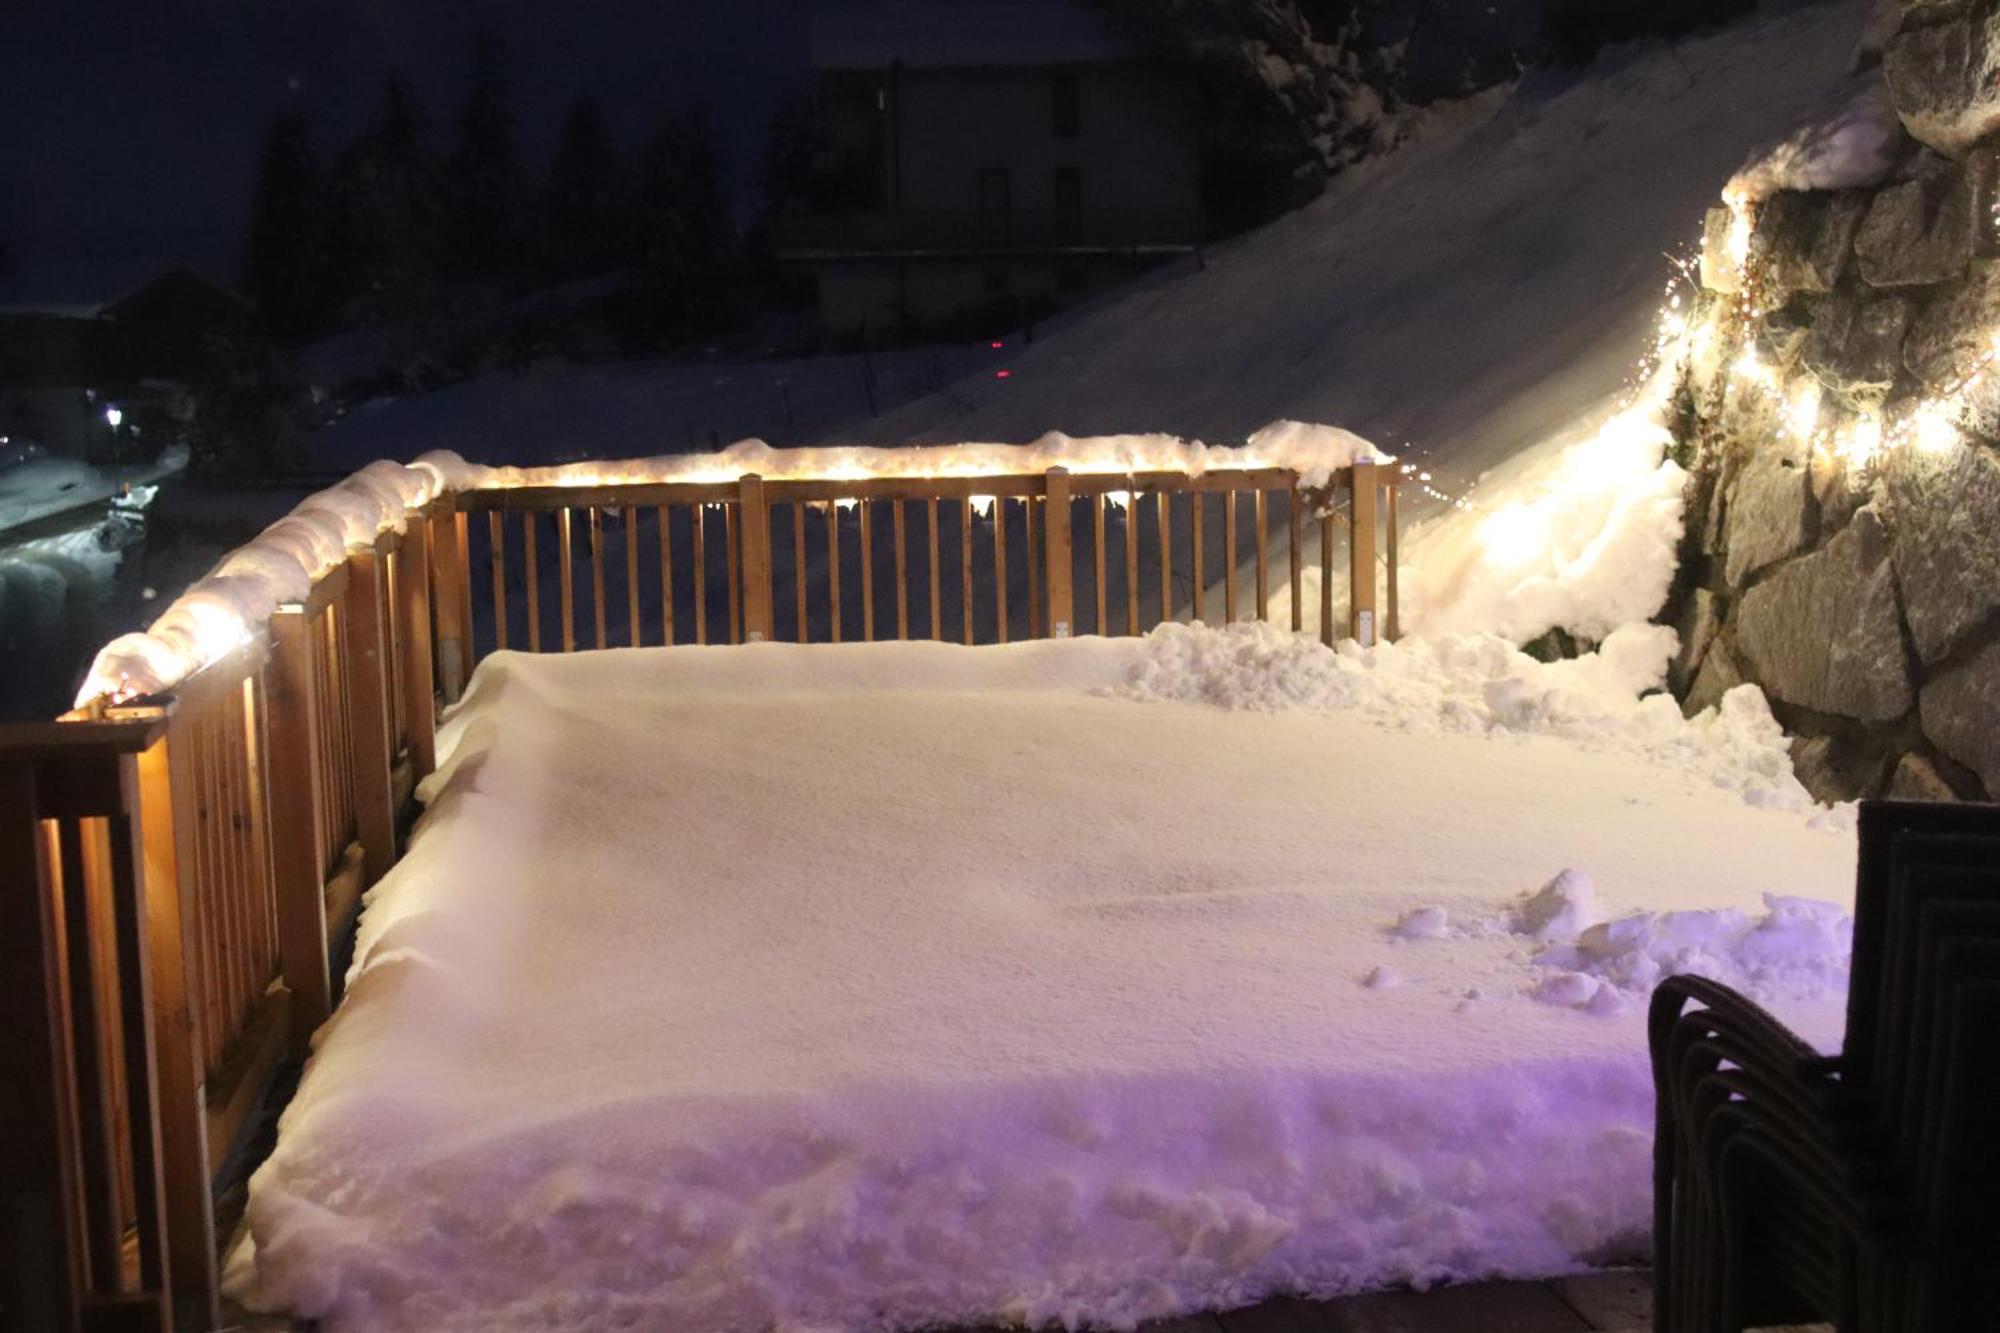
[{"x": 181, "y": 870}]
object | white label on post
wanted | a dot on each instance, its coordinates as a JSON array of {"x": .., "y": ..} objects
[
  {"x": 1364, "y": 628},
  {"x": 1062, "y": 629}
]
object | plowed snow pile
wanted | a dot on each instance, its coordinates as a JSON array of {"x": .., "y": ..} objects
[{"x": 887, "y": 985}]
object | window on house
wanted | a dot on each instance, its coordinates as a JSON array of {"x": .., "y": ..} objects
[
  {"x": 1066, "y": 105},
  {"x": 996, "y": 190},
  {"x": 1069, "y": 190}
]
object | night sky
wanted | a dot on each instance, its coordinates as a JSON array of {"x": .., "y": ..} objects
[{"x": 132, "y": 126}]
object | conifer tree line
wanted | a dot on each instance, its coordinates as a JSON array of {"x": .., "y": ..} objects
[{"x": 402, "y": 224}]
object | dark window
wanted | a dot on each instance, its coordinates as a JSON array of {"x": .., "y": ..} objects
[
  {"x": 996, "y": 190},
  {"x": 1069, "y": 190},
  {"x": 1066, "y": 105}
]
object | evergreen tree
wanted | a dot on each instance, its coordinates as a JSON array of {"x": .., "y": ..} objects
[
  {"x": 285, "y": 258},
  {"x": 390, "y": 220},
  {"x": 686, "y": 242},
  {"x": 585, "y": 206},
  {"x": 484, "y": 172}
]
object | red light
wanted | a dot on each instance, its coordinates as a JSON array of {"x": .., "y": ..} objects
[
  {"x": 996, "y": 344},
  {"x": 1003, "y": 374}
]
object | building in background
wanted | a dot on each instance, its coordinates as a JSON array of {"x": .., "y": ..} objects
[{"x": 996, "y": 161}]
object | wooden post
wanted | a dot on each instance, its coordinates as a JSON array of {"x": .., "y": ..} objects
[
  {"x": 1294, "y": 520},
  {"x": 756, "y": 560},
  {"x": 1361, "y": 554},
  {"x": 1326, "y": 635},
  {"x": 368, "y": 716},
  {"x": 297, "y": 838},
  {"x": 447, "y": 553},
  {"x": 413, "y": 636},
  {"x": 1393, "y": 618},
  {"x": 1055, "y": 543},
  {"x": 566, "y": 573}
]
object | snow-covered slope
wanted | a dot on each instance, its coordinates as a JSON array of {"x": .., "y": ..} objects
[{"x": 1457, "y": 301}]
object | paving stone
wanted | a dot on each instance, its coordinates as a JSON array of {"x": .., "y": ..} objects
[{"x": 1617, "y": 1301}]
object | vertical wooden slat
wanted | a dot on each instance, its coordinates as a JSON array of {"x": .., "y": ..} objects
[
  {"x": 1294, "y": 521},
  {"x": 130, "y": 909},
  {"x": 701, "y": 573},
  {"x": 413, "y": 613},
  {"x": 1033, "y": 561},
  {"x": 867, "y": 572},
  {"x": 1000, "y": 566},
  {"x": 1326, "y": 578},
  {"x": 632, "y": 638},
  {"x": 666, "y": 576},
  {"x": 448, "y": 578},
  {"x": 460, "y": 563},
  {"x": 833, "y": 569},
  {"x": 96, "y": 1121},
  {"x": 1100, "y": 625},
  {"x": 566, "y": 576},
  {"x": 756, "y": 541},
  {"x": 374, "y": 809},
  {"x": 1199, "y": 608},
  {"x": 1230, "y": 555},
  {"x": 965, "y": 564},
  {"x": 531, "y": 565},
  {"x": 597, "y": 608},
  {"x": 933, "y": 512},
  {"x": 297, "y": 839},
  {"x": 1056, "y": 547},
  {"x": 902, "y": 570},
  {"x": 1132, "y": 562},
  {"x": 496, "y": 560},
  {"x": 1361, "y": 553},
  {"x": 1263, "y": 537},
  {"x": 1166, "y": 524},
  {"x": 799, "y": 570},
  {"x": 1392, "y": 612},
  {"x": 732, "y": 555}
]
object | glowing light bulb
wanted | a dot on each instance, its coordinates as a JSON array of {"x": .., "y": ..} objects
[
  {"x": 1932, "y": 431},
  {"x": 1802, "y": 409}
]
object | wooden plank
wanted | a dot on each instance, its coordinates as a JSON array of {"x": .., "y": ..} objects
[
  {"x": 867, "y": 572},
  {"x": 799, "y": 572},
  {"x": 342, "y": 893},
  {"x": 461, "y": 590},
  {"x": 1132, "y": 562},
  {"x": 666, "y": 535},
  {"x": 297, "y": 834},
  {"x": 632, "y": 639},
  {"x": 496, "y": 564},
  {"x": 1198, "y": 609},
  {"x": 1166, "y": 526},
  {"x": 413, "y": 618},
  {"x": 129, "y": 908},
  {"x": 1000, "y": 566},
  {"x": 1392, "y": 612},
  {"x": 701, "y": 573},
  {"x": 833, "y": 569},
  {"x": 1261, "y": 532},
  {"x": 1056, "y": 548},
  {"x": 537, "y": 499},
  {"x": 597, "y": 608},
  {"x": 902, "y": 557},
  {"x": 1326, "y": 579},
  {"x": 1034, "y": 564},
  {"x": 327, "y": 589},
  {"x": 90, "y": 962},
  {"x": 758, "y": 625},
  {"x": 1361, "y": 553},
  {"x": 448, "y": 579},
  {"x": 934, "y": 512},
  {"x": 1294, "y": 520},
  {"x": 1101, "y": 624},
  {"x": 965, "y": 564},
  {"x": 1231, "y": 556},
  {"x": 184, "y": 1165},
  {"x": 368, "y": 723},
  {"x": 732, "y": 552},
  {"x": 234, "y": 1088},
  {"x": 566, "y": 577},
  {"x": 532, "y": 567}
]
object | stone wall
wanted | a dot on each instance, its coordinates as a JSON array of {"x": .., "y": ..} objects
[{"x": 1842, "y": 433}]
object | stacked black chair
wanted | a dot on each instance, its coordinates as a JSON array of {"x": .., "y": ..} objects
[{"x": 1862, "y": 1189}]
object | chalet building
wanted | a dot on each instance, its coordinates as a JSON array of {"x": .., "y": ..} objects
[
  {"x": 998, "y": 160},
  {"x": 85, "y": 381}
]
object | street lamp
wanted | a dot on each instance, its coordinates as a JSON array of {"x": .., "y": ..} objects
[{"x": 113, "y": 417}]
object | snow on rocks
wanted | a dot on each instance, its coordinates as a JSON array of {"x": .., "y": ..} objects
[
  {"x": 1852, "y": 144},
  {"x": 1559, "y": 910}
]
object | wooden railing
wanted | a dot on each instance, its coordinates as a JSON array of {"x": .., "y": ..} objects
[{"x": 176, "y": 871}]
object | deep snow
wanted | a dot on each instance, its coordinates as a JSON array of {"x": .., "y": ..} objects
[{"x": 870, "y": 986}]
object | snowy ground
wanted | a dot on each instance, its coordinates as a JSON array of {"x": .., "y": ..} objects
[{"x": 876, "y": 986}]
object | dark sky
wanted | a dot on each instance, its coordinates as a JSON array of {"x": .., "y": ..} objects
[{"x": 131, "y": 126}]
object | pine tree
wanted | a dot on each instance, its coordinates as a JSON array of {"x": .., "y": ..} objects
[
  {"x": 390, "y": 220},
  {"x": 686, "y": 242},
  {"x": 285, "y": 258},
  {"x": 484, "y": 172},
  {"x": 585, "y": 206}
]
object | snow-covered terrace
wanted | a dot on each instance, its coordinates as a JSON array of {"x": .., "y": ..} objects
[{"x": 875, "y": 984}]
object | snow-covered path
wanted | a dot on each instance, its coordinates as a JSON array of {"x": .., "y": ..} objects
[{"x": 896, "y": 984}]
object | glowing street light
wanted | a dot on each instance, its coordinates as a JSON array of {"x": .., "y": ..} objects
[{"x": 113, "y": 417}]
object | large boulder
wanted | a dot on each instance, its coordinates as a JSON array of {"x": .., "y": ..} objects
[
  {"x": 1719, "y": 272},
  {"x": 1924, "y": 231},
  {"x": 1959, "y": 707},
  {"x": 1822, "y": 632},
  {"x": 1917, "y": 779},
  {"x": 1769, "y": 515},
  {"x": 1803, "y": 239},
  {"x": 1696, "y": 627},
  {"x": 1946, "y": 510},
  {"x": 1856, "y": 345},
  {"x": 1953, "y": 337},
  {"x": 1944, "y": 77}
]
